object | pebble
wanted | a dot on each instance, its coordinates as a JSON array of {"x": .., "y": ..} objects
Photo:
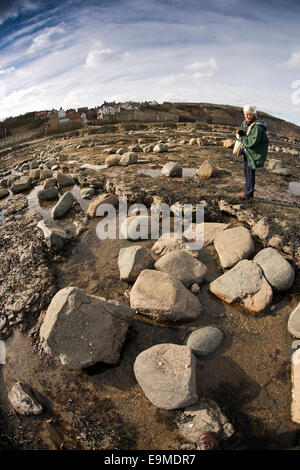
[{"x": 204, "y": 341}]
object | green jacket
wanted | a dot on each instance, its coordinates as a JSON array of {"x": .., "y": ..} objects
[{"x": 256, "y": 144}]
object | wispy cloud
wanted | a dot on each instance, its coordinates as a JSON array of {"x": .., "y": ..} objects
[
  {"x": 72, "y": 53},
  {"x": 99, "y": 56},
  {"x": 293, "y": 63},
  {"x": 45, "y": 39}
]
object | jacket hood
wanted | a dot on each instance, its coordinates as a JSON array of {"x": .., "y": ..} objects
[{"x": 262, "y": 123}]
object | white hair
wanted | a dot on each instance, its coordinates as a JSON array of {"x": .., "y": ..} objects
[{"x": 250, "y": 109}]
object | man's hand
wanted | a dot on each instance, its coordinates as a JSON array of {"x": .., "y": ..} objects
[{"x": 237, "y": 136}]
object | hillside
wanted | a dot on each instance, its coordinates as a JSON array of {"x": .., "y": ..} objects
[
  {"x": 18, "y": 124},
  {"x": 226, "y": 117}
]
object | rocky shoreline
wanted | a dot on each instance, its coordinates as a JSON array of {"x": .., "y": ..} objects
[{"x": 255, "y": 253}]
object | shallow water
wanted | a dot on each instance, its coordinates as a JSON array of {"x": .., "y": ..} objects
[
  {"x": 44, "y": 207},
  {"x": 155, "y": 172},
  {"x": 93, "y": 167}
]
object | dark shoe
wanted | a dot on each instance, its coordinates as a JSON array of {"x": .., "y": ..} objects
[
  {"x": 207, "y": 441},
  {"x": 243, "y": 196}
]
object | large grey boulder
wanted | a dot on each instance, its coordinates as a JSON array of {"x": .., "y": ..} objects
[
  {"x": 233, "y": 245},
  {"x": 277, "y": 270},
  {"x": 45, "y": 173},
  {"x": 113, "y": 160},
  {"x": 34, "y": 174},
  {"x": 47, "y": 194},
  {"x": 63, "y": 205},
  {"x": 204, "y": 416},
  {"x": 207, "y": 169},
  {"x": 64, "y": 180},
  {"x": 24, "y": 401},
  {"x": 204, "y": 341},
  {"x": 21, "y": 185},
  {"x": 294, "y": 322},
  {"x": 161, "y": 296},
  {"x": 182, "y": 266},
  {"x": 132, "y": 260},
  {"x": 55, "y": 236},
  {"x": 159, "y": 148},
  {"x": 283, "y": 172},
  {"x": 81, "y": 330},
  {"x": 246, "y": 284},
  {"x": 167, "y": 375},
  {"x": 172, "y": 169},
  {"x": 128, "y": 158}
]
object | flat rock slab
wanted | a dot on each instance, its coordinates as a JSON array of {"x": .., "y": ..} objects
[
  {"x": 277, "y": 270},
  {"x": 183, "y": 267},
  {"x": 82, "y": 329},
  {"x": 205, "y": 416},
  {"x": 161, "y": 296},
  {"x": 233, "y": 245},
  {"x": 63, "y": 205},
  {"x": 204, "y": 341},
  {"x": 245, "y": 284},
  {"x": 24, "y": 401},
  {"x": 167, "y": 375},
  {"x": 294, "y": 322},
  {"x": 132, "y": 261}
]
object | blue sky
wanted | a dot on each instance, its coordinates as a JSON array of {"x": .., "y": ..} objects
[{"x": 80, "y": 53}]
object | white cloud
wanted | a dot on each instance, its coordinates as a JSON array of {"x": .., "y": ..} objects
[
  {"x": 45, "y": 39},
  {"x": 203, "y": 69},
  {"x": 293, "y": 63},
  {"x": 98, "y": 57},
  {"x": 22, "y": 95}
]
